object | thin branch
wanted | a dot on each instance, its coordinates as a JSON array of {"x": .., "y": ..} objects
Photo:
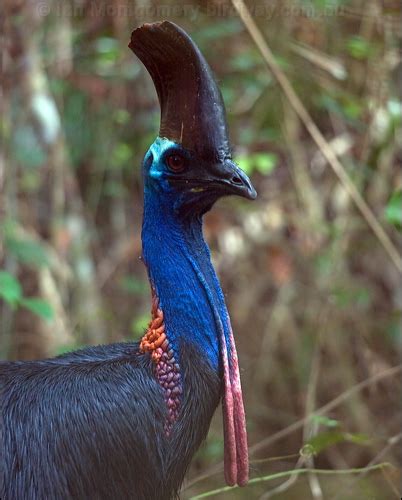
[
  {"x": 286, "y": 484},
  {"x": 391, "y": 442},
  {"x": 316, "y": 135},
  {"x": 297, "y": 472},
  {"x": 395, "y": 370}
]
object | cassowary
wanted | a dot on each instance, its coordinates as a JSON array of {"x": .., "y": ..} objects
[{"x": 124, "y": 420}]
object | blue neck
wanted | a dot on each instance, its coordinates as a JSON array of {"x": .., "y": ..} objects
[{"x": 180, "y": 270}]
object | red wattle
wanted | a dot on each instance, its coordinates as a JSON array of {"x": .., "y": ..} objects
[
  {"x": 234, "y": 421},
  {"x": 239, "y": 416}
]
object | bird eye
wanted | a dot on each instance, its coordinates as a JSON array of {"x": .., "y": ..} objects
[{"x": 176, "y": 163}]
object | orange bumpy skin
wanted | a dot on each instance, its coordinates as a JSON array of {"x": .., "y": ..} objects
[{"x": 167, "y": 370}]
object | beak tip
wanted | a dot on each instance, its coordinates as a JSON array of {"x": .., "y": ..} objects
[
  {"x": 249, "y": 191},
  {"x": 252, "y": 193}
]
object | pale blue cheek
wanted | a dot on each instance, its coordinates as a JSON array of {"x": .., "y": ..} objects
[
  {"x": 157, "y": 170},
  {"x": 155, "y": 173},
  {"x": 157, "y": 178}
]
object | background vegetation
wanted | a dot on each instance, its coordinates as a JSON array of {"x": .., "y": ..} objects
[{"x": 315, "y": 299}]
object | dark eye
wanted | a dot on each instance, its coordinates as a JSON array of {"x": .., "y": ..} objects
[{"x": 176, "y": 162}]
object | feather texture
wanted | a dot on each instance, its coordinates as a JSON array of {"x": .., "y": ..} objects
[{"x": 90, "y": 425}]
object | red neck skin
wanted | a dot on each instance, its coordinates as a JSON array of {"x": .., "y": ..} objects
[{"x": 234, "y": 419}]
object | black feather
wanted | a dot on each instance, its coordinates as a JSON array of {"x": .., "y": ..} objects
[{"x": 89, "y": 424}]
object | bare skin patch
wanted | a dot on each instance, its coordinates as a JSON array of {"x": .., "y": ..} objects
[{"x": 167, "y": 370}]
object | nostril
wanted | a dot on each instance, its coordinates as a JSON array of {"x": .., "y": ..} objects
[{"x": 237, "y": 180}]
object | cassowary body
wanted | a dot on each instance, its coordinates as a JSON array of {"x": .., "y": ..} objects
[
  {"x": 91, "y": 425},
  {"x": 124, "y": 420}
]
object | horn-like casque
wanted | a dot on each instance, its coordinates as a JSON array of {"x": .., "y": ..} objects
[{"x": 192, "y": 109}]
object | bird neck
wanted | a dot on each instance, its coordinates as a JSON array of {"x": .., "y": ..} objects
[{"x": 183, "y": 279}]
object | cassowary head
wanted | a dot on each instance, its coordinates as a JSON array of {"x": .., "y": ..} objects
[{"x": 190, "y": 162}]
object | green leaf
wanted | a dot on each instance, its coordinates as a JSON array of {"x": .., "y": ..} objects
[
  {"x": 265, "y": 163},
  {"x": 324, "y": 420},
  {"x": 245, "y": 164},
  {"x": 307, "y": 451},
  {"x": 139, "y": 325},
  {"x": 26, "y": 148},
  {"x": 393, "y": 210},
  {"x": 39, "y": 307},
  {"x": 348, "y": 107},
  {"x": 107, "y": 45},
  {"x": 358, "y": 47},
  {"x": 245, "y": 60},
  {"x": 356, "y": 296},
  {"x": 361, "y": 439},
  {"x": 27, "y": 251},
  {"x": 121, "y": 116},
  {"x": 325, "y": 439},
  {"x": 121, "y": 155},
  {"x": 10, "y": 288}
]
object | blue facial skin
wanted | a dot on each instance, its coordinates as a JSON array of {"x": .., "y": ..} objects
[{"x": 177, "y": 257}]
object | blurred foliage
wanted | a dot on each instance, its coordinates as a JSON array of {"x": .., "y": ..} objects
[
  {"x": 11, "y": 293},
  {"x": 393, "y": 209},
  {"x": 315, "y": 302}
]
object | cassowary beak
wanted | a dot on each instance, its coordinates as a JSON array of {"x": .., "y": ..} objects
[
  {"x": 193, "y": 115},
  {"x": 215, "y": 179},
  {"x": 227, "y": 178}
]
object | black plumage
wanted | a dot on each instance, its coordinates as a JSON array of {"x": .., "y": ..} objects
[{"x": 90, "y": 425}]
